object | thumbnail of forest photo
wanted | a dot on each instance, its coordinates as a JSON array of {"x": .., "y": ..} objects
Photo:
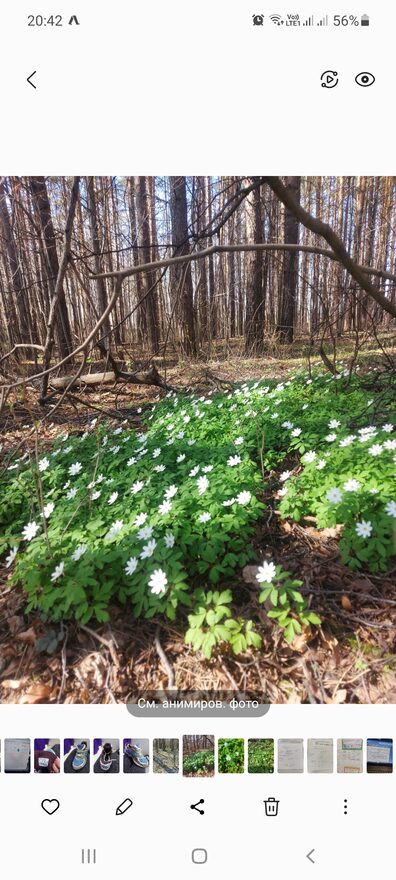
[{"x": 198, "y": 438}]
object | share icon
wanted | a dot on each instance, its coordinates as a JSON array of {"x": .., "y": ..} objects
[{"x": 195, "y": 806}]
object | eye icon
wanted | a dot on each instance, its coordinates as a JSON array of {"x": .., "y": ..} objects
[{"x": 365, "y": 79}]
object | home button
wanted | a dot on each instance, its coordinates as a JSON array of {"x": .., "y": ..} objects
[{"x": 199, "y": 856}]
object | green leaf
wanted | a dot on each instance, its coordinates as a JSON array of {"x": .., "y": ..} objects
[
  {"x": 238, "y": 643},
  {"x": 313, "y": 618},
  {"x": 253, "y": 639},
  {"x": 208, "y": 644}
]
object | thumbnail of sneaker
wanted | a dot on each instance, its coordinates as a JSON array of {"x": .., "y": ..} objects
[
  {"x": 134, "y": 752},
  {"x": 106, "y": 758},
  {"x": 81, "y": 757}
]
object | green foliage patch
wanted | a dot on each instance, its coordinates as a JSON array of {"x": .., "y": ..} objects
[
  {"x": 261, "y": 756},
  {"x": 231, "y": 755},
  {"x": 156, "y": 519},
  {"x": 199, "y": 764}
]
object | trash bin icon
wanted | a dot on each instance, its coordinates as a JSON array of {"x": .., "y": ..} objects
[{"x": 271, "y": 807}]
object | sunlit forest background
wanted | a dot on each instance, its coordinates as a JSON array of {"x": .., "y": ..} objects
[{"x": 246, "y": 296}]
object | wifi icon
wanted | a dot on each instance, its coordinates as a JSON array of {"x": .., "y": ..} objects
[{"x": 277, "y": 19}]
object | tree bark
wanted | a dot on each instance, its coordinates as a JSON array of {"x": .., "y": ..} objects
[
  {"x": 181, "y": 277},
  {"x": 290, "y": 263},
  {"x": 97, "y": 254},
  {"x": 58, "y": 288},
  {"x": 254, "y": 328},
  {"x": 40, "y": 194}
]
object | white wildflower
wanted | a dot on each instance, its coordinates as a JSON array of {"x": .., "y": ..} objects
[
  {"x": 145, "y": 533},
  {"x": 79, "y": 552},
  {"x": 30, "y": 531},
  {"x": 364, "y": 529},
  {"x": 234, "y": 460},
  {"x": 169, "y": 540},
  {"x": 11, "y": 556},
  {"x": 58, "y": 572},
  {"x": 131, "y": 565},
  {"x": 137, "y": 487},
  {"x": 158, "y": 582},
  {"x": 148, "y": 549},
  {"x": 170, "y": 492},
  {"x": 351, "y": 485},
  {"x": 165, "y": 508},
  {"x": 74, "y": 469},
  {"x": 244, "y": 497},
  {"x": 376, "y": 449},
  {"x": 266, "y": 573},
  {"x": 114, "y": 529},
  {"x": 202, "y": 484},
  {"x": 204, "y": 517},
  {"x": 334, "y": 496}
]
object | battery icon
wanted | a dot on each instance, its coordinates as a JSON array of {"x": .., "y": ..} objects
[{"x": 365, "y": 21}]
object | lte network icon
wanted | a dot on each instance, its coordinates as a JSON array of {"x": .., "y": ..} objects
[{"x": 258, "y": 19}]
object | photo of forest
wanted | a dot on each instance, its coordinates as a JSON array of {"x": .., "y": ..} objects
[{"x": 198, "y": 438}]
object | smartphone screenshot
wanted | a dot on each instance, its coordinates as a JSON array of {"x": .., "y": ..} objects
[{"x": 197, "y": 440}]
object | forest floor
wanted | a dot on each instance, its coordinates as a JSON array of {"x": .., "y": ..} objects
[{"x": 350, "y": 658}]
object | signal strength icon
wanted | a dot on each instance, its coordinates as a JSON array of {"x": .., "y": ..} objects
[
  {"x": 309, "y": 21},
  {"x": 323, "y": 22},
  {"x": 277, "y": 19}
]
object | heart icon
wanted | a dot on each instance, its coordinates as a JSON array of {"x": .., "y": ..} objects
[{"x": 50, "y": 806}]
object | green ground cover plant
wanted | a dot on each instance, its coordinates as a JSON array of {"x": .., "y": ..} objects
[
  {"x": 231, "y": 755},
  {"x": 260, "y": 755},
  {"x": 161, "y": 520},
  {"x": 199, "y": 764}
]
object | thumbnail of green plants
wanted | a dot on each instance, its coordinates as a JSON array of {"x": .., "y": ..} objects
[
  {"x": 231, "y": 755},
  {"x": 198, "y": 755},
  {"x": 261, "y": 756}
]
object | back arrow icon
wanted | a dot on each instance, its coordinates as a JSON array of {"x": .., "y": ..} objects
[
  {"x": 29, "y": 79},
  {"x": 309, "y": 856}
]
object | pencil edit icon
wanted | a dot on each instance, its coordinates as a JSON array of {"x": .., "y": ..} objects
[{"x": 123, "y": 807}]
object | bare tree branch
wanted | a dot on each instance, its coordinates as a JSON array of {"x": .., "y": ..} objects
[{"x": 327, "y": 232}]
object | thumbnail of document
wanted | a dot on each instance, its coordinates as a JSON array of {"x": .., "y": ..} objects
[
  {"x": 290, "y": 755},
  {"x": 379, "y": 751},
  {"x": 320, "y": 756},
  {"x": 16, "y": 755},
  {"x": 350, "y": 756}
]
